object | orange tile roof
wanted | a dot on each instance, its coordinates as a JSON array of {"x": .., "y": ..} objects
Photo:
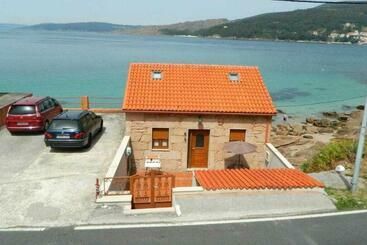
[
  {"x": 192, "y": 88},
  {"x": 255, "y": 179}
]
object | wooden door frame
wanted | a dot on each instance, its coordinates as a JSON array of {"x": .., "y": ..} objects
[{"x": 189, "y": 146}]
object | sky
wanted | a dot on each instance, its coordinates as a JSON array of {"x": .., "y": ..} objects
[{"x": 135, "y": 12}]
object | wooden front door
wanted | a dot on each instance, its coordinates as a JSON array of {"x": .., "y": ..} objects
[{"x": 198, "y": 148}]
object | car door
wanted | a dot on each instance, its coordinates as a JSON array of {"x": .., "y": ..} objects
[
  {"x": 43, "y": 109},
  {"x": 88, "y": 124},
  {"x": 57, "y": 107},
  {"x": 47, "y": 110},
  {"x": 52, "y": 112},
  {"x": 83, "y": 124},
  {"x": 95, "y": 122}
]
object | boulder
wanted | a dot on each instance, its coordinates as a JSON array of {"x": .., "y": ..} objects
[
  {"x": 346, "y": 114},
  {"x": 335, "y": 124},
  {"x": 323, "y": 123},
  {"x": 280, "y": 141},
  {"x": 332, "y": 114},
  {"x": 343, "y": 118},
  {"x": 360, "y": 107},
  {"x": 326, "y": 130},
  {"x": 283, "y": 127},
  {"x": 282, "y": 133},
  {"x": 297, "y": 129},
  {"x": 302, "y": 141},
  {"x": 311, "y": 120},
  {"x": 311, "y": 129}
]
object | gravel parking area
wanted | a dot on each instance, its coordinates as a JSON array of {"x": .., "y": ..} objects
[{"x": 40, "y": 186}]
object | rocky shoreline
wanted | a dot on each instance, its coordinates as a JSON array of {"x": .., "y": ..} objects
[{"x": 298, "y": 142}]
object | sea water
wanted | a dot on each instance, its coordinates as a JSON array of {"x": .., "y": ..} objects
[{"x": 303, "y": 78}]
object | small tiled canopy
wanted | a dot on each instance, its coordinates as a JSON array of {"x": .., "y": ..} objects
[{"x": 241, "y": 179}]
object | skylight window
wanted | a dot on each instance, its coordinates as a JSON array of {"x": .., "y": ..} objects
[
  {"x": 234, "y": 77},
  {"x": 157, "y": 75}
]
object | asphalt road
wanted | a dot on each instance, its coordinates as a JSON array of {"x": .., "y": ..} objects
[{"x": 345, "y": 229}]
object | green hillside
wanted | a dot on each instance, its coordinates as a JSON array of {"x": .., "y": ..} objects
[{"x": 323, "y": 23}]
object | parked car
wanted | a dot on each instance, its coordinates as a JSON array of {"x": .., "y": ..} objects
[
  {"x": 73, "y": 129},
  {"x": 32, "y": 114}
]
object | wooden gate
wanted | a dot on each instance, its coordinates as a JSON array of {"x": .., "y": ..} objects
[{"x": 152, "y": 190}]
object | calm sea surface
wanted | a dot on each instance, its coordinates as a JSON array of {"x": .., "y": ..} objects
[{"x": 298, "y": 75}]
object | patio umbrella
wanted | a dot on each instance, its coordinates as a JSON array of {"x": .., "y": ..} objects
[{"x": 239, "y": 148}]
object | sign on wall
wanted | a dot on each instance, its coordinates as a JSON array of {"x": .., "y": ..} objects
[{"x": 152, "y": 162}]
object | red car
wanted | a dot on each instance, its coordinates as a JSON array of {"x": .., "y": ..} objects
[{"x": 32, "y": 114}]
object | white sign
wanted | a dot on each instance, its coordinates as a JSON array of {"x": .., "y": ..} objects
[{"x": 152, "y": 163}]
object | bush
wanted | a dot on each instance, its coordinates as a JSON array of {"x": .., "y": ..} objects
[
  {"x": 345, "y": 200},
  {"x": 331, "y": 155}
]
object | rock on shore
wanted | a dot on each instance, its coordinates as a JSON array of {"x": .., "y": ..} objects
[{"x": 298, "y": 142}]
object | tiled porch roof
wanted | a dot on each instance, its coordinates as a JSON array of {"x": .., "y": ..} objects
[{"x": 232, "y": 179}]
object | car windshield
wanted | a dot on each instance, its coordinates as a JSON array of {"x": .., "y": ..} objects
[
  {"x": 22, "y": 110},
  {"x": 64, "y": 124}
]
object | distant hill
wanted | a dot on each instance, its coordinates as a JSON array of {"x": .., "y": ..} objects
[
  {"x": 83, "y": 26},
  {"x": 189, "y": 26},
  {"x": 326, "y": 23},
  {"x": 175, "y": 29},
  {"x": 339, "y": 23},
  {"x": 5, "y": 27}
]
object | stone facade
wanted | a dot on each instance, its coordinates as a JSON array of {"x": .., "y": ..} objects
[{"x": 139, "y": 127}]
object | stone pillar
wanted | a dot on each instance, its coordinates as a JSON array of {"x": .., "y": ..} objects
[{"x": 84, "y": 103}]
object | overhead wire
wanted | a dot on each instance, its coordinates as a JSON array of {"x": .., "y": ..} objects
[{"x": 325, "y": 2}]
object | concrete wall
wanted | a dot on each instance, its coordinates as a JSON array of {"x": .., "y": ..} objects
[
  {"x": 275, "y": 159},
  {"x": 139, "y": 127},
  {"x": 119, "y": 167}
]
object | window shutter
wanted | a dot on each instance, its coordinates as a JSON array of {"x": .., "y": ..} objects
[
  {"x": 160, "y": 133},
  {"x": 237, "y": 135}
]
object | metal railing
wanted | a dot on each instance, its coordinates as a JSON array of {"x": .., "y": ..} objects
[
  {"x": 90, "y": 102},
  {"x": 105, "y": 102},
  {"x": 72, "y": 102}
]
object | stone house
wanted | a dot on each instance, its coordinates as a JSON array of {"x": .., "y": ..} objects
[{"x": 185, "y": 113}]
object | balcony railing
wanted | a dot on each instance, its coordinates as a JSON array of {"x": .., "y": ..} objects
[{"x": 90, "y": 102}]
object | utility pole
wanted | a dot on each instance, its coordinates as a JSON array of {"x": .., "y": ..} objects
[{"x": 360, "y": 150}]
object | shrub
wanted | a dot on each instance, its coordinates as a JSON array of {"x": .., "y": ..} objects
[
  {"x": 344, "y": 199},
  {"x": 331, "y": 155}
]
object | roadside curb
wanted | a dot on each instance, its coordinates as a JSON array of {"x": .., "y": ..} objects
[
  {"x": 23, "y": 229},
  {"x": 216, "y": 222},
  {"x": 183, "y": 223}
]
